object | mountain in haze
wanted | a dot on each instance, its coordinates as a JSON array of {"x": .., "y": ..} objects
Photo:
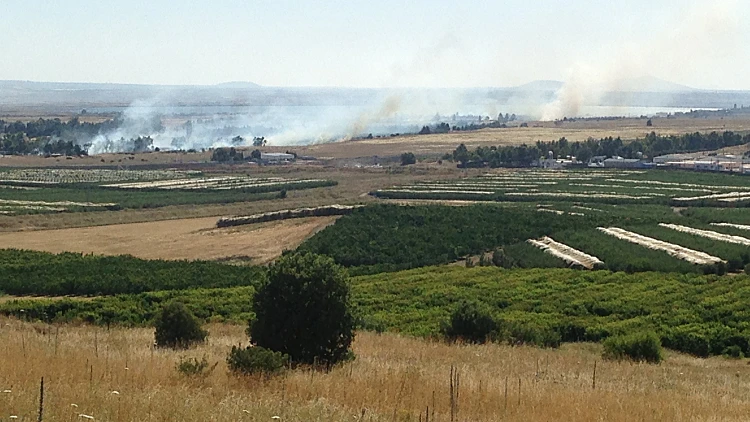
[
  {"x": 540, "y": 85},
  {"x": 637, "y": 84},
  {"x": 647, "y": 84},
  {"x": 238, "y": 85}
]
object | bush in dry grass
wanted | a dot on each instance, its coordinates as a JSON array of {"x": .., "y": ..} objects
[
  {"x": 470, "y": 321},
  {"x": 408, "y": 158},
  {"x": 192, "y": 367},
  {"x": 640, "y": 347},
  {"x": 177, "y": 327},
  {"x": 256, "y": 360},
  {"x": 304, "y": 310}
]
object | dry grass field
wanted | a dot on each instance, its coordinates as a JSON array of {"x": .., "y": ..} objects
[
  {"x": 116, "y": 375},
  {"x": 438, "y": 144},
  {"x": 190, "y": 238}
]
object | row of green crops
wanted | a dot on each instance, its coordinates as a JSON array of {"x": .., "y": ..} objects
[
  {"x": 41, "y": 273},
  {"x": 698, "y": 314}
]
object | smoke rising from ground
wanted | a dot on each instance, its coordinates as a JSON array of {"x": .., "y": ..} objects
[{"x": 704, "y": 32}]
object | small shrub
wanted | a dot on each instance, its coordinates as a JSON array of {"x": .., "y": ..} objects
[
  {"x": 256, "y": 360},
  {"x": 192, "y": 367},
  {"x": 747, "y": 269},
  {"x": 638, "y": 347},
  {"x": 472, "y": 322},
  {"x": 734, "y": 352},
  {"x": 177, "y": 327},
  {"x": 408, "y": 158},
  {"x": 515, "y": 333}
]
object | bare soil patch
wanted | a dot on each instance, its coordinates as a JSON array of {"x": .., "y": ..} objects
[{"x": 194, "y": 238}]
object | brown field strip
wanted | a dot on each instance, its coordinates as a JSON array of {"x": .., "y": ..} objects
[
  {"x": 116, "y": 375},
  {"x": 193, "y": 238}
]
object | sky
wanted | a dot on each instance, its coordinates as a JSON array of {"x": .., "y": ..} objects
[{"x": 378, "y": 44}]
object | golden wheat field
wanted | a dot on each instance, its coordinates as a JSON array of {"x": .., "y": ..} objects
[
  {"x": 116, "y": 375},
  {"x": 188, "y": 238}
]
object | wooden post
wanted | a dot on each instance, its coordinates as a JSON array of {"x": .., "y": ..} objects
[
  {"x": 453, "y": 404},
  {"x": 57, "y": 333},
  {"x": 506, "y": 393},
  {"x": 41, "y": 400},
  {"x": 519, "y": 391},
  {"x": 593, "y": 382}
]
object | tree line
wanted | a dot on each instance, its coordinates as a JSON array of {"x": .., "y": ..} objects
[
  {"x": 650, "y": 146},
  {"x": 72, "y": 137}
]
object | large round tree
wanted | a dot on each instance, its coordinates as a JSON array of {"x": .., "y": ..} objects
[{"x": 303, "y": 310}]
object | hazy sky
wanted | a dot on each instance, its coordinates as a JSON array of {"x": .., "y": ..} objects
[{"x": 385, "y": 43}]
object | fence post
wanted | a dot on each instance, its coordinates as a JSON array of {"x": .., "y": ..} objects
[{"x": 41, "y": 400}]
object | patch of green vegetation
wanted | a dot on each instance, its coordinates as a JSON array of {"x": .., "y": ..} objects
[
  {"x": 213, "y": 305},
  {"x": 41, "y": 273},
  {"x": 702, "y": 315},
  {"x": 390, "y": 237},
  {"x": 698, "y": 314}
]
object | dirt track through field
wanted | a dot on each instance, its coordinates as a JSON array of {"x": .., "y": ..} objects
[{"x": 194, "y": 238}]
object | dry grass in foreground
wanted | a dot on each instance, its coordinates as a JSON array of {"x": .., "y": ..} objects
[{"x": 116, "y": 375}]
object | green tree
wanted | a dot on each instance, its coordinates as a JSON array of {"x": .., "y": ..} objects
[
  {"x": 408, "y": 158},
  {"x": 461, "y": 154},
  {"x": 304, "y": 311},
  {"x": 471, "y": 321},
  {"x": 177, "y": 327}
]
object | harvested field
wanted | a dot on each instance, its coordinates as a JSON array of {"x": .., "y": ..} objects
[{"x": 196, "y": 238}]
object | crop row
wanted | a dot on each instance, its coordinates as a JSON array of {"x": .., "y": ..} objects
[
  {"x": 604, "y": 187},
  {"x": 570, "y": 255},
  {"x": 326, "y": 210},
  {"x": 690, "y": 255},
  {"x": 220, "y": 183},
  {"x": 72, "y": 176}
]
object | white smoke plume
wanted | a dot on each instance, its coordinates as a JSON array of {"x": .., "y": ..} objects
[{"x": 705, "y": 31}]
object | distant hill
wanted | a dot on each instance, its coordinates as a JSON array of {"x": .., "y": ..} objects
[
  {"x": 647, "y": 84},
  {"x": 541, "y": 85},
  {"x": 638, "y": 84},
  {"x": 238, "y": 85}
]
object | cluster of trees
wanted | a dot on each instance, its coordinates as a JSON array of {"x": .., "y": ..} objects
[
  {"x": 58, "y": 128},
  {"x": 408, "y": 158},
  {"x": 227, "y": 155},
  {"x": 41, "y": 273},
  {"x": 54, "y": 136},
  {"x": 439, "y": 128},
  {"x": 651, "y": 146},
  {"x": 501, "y": 122}
]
